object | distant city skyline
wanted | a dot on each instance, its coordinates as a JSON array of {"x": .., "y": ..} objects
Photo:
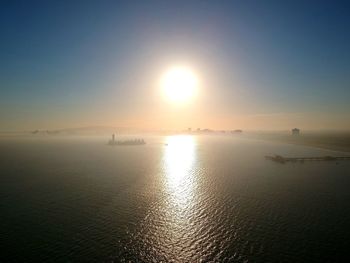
[{"x": 265, "y": 65}]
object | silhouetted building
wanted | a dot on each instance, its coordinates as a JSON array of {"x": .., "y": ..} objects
[
  {"x": 295, "y": 131},
  {"x": 237, "y": 131}
]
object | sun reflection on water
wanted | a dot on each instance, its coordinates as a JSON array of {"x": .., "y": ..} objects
[
  {"x": 180, "y": 177},
  {"x": 170, "y": 227},
  {"x": 179, "y": 157}
]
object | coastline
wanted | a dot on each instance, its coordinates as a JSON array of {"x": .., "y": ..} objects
[{"x": 334, "y": 142}]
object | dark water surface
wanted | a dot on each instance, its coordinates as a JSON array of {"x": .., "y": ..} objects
[{"x": 196, "y": 199}]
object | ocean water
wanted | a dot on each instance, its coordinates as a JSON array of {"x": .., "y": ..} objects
[{"x": 176, "y": 199}]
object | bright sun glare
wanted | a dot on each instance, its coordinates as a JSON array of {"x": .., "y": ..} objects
[{"x": 179, "y": 84}]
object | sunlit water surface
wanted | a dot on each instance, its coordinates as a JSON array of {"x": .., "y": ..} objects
[{"x": 176, "y": 199}]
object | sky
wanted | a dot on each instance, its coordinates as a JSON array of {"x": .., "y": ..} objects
[{"x": 265, "y": 65}]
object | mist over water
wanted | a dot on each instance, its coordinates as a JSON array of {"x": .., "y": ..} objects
[{"x": 176, "y": 199}]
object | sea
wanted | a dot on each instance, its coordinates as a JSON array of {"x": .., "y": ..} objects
[{"x": 179, "y": 198}]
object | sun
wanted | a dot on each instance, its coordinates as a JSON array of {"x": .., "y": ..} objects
[{"x": 179, "y": 84}]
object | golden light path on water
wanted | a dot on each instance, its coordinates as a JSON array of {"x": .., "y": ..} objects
[
  {"x": 179, "y": 158},
  {"x": 170, "y": 227},
  {"x": 180, "y": 190},
  {"x": 180, "y": 177}
]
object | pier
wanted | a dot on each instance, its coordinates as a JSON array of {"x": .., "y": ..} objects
[
  {"x": 113, "y": 141},
  {"x": 281, "y": 159}
]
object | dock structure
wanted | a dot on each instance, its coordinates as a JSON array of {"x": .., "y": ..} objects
[
  {"x": 281, "y": 159},
  {"x": 114, "y": 142}
]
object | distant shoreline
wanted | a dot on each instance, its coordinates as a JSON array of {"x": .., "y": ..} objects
[
  {"x": 334, "y": 142},
  {"x": 331, "y": 141}
]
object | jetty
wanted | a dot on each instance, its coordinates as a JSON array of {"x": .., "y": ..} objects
[
  {"x": 113, "y": 141},
  {"x": 281, "y": 159}
]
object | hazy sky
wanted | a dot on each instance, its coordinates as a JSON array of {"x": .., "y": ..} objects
[{"x": 261, "y": 64}]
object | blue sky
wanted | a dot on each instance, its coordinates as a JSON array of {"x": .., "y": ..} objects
[{"x": 262, "y": 63}]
